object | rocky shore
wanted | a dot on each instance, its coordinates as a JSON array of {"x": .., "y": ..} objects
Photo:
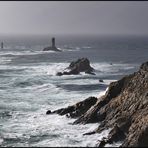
[{"x": 123, "y": 109}]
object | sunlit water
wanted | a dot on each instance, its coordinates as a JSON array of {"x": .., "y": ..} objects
[{"x": 29, "y": 87}]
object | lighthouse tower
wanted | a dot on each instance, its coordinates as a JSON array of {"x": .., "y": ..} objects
[
  {"x": 2, "y": 45},
  {"x": 53, "y": 42},
  {"x": 52, "y": 47}
]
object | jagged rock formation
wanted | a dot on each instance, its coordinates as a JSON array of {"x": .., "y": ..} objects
[
  {"x": 75, "y": 67},
  {"x": 124, "y": 108},
  {"x": 76, "y": 110},
  {"x": 52, "y": 47}
]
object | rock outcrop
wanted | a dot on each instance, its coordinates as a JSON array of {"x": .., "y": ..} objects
[
  {"x": 75, "y": 67},
  {"x": 76, "y": 110},
  {"x": 51, "y": 49},
  {"x": 124, "y": 109}
]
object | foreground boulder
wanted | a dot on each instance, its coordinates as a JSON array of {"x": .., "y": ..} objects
[
  {"x": 124, "y": 109},
  {"x": 75, "y": 67}
]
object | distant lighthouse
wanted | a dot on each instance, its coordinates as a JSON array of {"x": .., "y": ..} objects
[
  {"x": 2, "y": 45},
  {"x": 52, "y": 47},
  {"x": 53, "y": 42}
]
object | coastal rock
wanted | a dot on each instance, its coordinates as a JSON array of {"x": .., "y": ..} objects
[
  {"x": 50, "y": 48},
  {"x": 75, "y": 67},
  {"x": 101, "y": 80},
  {"x": 48, "y": 112},
  {"x": 123, "y": 108},
  {"x": 77, "y": 109}
]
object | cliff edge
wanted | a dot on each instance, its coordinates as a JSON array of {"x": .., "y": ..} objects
[{"x": 123, "y": 108}]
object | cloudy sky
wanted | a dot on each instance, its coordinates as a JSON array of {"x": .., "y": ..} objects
[{"x": 76, "y": 17}]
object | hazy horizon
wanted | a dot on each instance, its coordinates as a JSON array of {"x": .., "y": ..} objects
[{"x": 74, "y": 18}]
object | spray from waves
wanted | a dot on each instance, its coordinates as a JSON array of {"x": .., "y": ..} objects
[
  {"x": 34, "y": 128},
  {"x": 37, "y": 129},
  {"x": 24, "y": 52},
  {"x": 100, "y": 68},
  {"x": 32, "y": 50},
  {"x": 5, "y": 60},
  {"x": 50, "y": 69},
  {"x": 80, "y": 83}
]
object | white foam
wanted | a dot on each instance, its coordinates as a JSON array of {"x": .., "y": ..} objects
[
  {"x": 101, "y": 69},
  {"x": 5, "y": 60},
  {"x": 47, "y": 95},
  {"x": 115, "y": 144},
  {"x": 1, "y": 141},
  {"x": 44, "y": 87}
]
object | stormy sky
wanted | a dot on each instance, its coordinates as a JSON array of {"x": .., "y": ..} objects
[{"x": 76, "y": 17}]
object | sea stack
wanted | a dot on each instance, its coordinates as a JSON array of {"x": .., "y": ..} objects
[
  {"x": 75, "y": 67},
  {"x": 52, "y": 47}
]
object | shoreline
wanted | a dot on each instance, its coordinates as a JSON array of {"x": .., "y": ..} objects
[{"x": 119, "y": 109}]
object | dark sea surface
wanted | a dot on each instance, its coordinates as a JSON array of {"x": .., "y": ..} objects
[{"x": 29, "y": 85}]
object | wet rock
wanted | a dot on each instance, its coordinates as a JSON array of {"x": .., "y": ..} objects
[
  {"x": 77, "y": 109},
  {"x": 101, "y": 80},
  {"x": 75, "y": 67},
  {"x": 59, "y": 74},
  {"x": 123, "y": 108},
  {"x": 48, "y": 112},
  {"x": 144, "y": 66},
  {"x": 51, "y": 49},
  {"x": 103, "y": 142}
]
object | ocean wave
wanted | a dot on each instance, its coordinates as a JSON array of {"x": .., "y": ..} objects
[
  {"x": 111, "y": 67},
  {"x": 27, "y": 82},
  {"x": 100, "y": 68},
  {"x": 5, "y": 114},
  {"x": 9, "y": 70},
  {"x": 45, "y": 87},
  {"x": 5, "y": 60}
]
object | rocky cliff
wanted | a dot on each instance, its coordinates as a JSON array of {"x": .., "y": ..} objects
[{"x": 124, "y": 109}]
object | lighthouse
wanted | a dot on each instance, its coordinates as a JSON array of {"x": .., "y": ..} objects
[
  {"x": 52, "y": 47},
  {"x": 2, "y": 45},
  {"x": 53, "y": 42}
]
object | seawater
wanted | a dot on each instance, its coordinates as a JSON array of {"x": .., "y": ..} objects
[{"x": 29, "y": 85}]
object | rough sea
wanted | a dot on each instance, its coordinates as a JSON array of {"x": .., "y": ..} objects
[{"x": 29, "y": 85}]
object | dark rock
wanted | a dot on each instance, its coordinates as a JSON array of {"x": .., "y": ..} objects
[
  {"x": 89, "y": 133},
  {"x": 2, "y": 45},
  {"x": 101, "y": 80},
  {"x": 48, "y": 112},
  {"x": 51, "y": 49},
  {"x": 75, "y": 67},
  {"x": 116, "y": 134},
  {"x": 144, "y": 66},
  {"x": 78, "y": 109},
  {"x": 59, "y": 74},
  {"x": 124, "y": 108},
  {"x": 103, "y": 142}
]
